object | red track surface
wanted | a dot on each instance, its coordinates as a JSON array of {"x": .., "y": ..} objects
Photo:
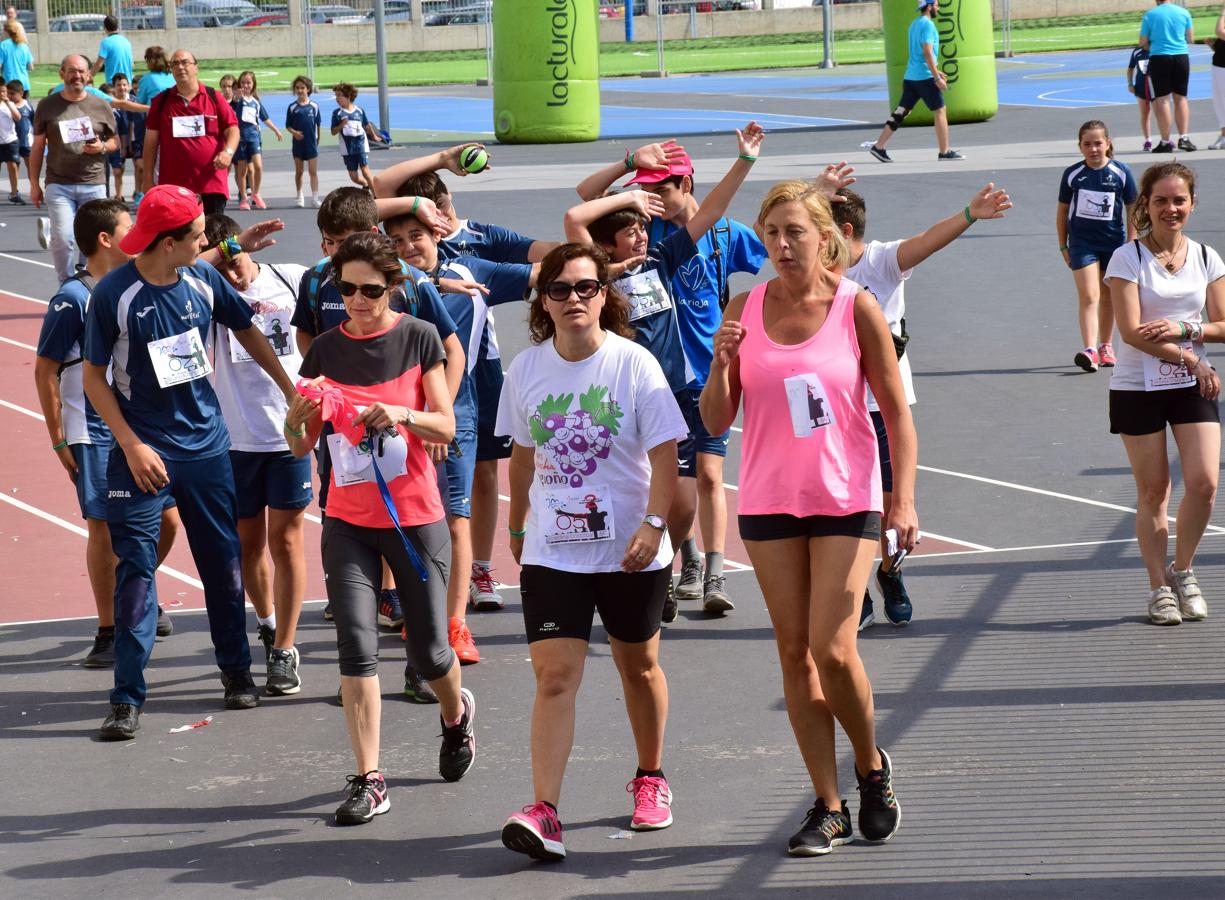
[{"x": 42, "y": 544}]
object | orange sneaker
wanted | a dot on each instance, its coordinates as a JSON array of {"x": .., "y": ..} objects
[{"x": 461, "y": 642}]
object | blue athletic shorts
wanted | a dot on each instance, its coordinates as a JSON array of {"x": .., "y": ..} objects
[
  {"x": 699, "y": 440},
  {"x": 248, "y": 149},
  {"x": 10, "y": 152},
  {"x": 305, "y": 152},
  {"x": 91, "y": 479},
  {"x": 278, "y": 480},
  {"x": 882, "y": 444},
  {"x": 925, "y": 90},
  {"x": 489, "y": 378},
  {"x": 1078, "y": 258},
  {"x": 115, "y": 160},
  {"x": 460, "y": 470},
  {"x": 354, "y": 161}
]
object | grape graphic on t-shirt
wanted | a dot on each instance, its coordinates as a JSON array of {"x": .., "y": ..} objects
[{"x": 577, "y": 439}]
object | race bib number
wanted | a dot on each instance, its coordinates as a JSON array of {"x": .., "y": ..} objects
[
  {"x": 577, "y": 517},
  {"x": 1160, "y": 375},
  {"x": 179, "y": 359},
  {"x": 1094, "y": 205},
  {"x": 808, "y": 404},
  {"x": 355, "y": 465},
  {"x": 187, "y": 126},
  {"x": 646, "y": 294},
  {"x": 275, "y": 329},
  {"x": 250, "y": 115},
  {"x": 73, "y": 131},
  {"x": 351, "y": 128}
]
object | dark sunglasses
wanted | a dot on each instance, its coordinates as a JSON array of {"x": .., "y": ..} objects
[
  {"x": 559, "y": 291},
  {"x": 369, "y": 291}
]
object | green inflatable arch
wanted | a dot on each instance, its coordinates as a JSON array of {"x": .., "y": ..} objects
[
  {"x": 966, "y": 57},
  {"x": 546, "y": 71}
]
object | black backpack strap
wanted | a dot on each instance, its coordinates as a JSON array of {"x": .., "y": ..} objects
[
  {"x": 721, "y": 275},
  {"x": 280, "y": 276},
  {"x": 83, "y": 276},
  {"x": 1139, "y": 258}
]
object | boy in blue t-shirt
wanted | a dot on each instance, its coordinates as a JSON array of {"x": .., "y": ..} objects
[
  {"x": 250, "y": 112},
  {"x": 123, "y": 133},
  {"x": 303, "y": 121},
  {"x": 149, "y": 320},
  {"x": 353, "y": 125},
  {"x": 619, "y": 223}
]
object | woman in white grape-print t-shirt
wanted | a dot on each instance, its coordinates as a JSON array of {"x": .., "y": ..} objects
[{"x": 592, "y": 474}]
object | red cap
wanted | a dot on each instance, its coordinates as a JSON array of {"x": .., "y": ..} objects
[
  {"x": 682, "y": 165},
  {"x": 164, "y": 207}
]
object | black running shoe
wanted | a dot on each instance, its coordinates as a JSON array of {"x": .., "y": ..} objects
[
  {"x": 669, "y": 613},
  {"x": 240, "y": 690},
  {"x": 416, "y": 688},
  {"x": 267, "y": 637},
  {"x": 1163, "y": 147},
  {"x": 327, "y": 613},
  {"x": 880, "y": 153},
  {"x": 102, "y": 656},
  {"x": 1185, "y": 145},
  {"x": 367, "y": 799},
  {"x": 879, "y": 812},
  {"x": 458, "y": 743},
  {"x": 950, "y": 154},
  {"x": 897, "y": 602},
  {"x": 122, "y": 724},
  {"x": 822, "y": 831},
  {"x": 165, "y": 627},
  {"x": 867, "y": 618},
  {"x": 283, "y": 675}
]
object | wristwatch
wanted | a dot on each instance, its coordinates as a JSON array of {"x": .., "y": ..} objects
[
  {"x": 654, "y": 521},
  {"x": 412, "y": 417}
]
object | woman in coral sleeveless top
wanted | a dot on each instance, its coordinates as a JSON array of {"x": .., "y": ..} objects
[{"x": 799, "y": 350}]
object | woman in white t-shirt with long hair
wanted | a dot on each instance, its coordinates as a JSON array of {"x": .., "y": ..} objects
[
  {"x": 1160, "y": 285},
  {"x": 592, "y": 474}
]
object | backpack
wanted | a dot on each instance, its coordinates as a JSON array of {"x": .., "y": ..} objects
[
  {"x": 722, "y": 227},
  {"x": 322, "y": 271}
]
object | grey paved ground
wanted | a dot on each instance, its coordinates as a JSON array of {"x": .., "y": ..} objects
[{"x": 1048, "y": 742}]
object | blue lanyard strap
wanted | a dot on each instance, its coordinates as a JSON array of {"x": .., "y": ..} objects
[{"x": 395, "y": 518}]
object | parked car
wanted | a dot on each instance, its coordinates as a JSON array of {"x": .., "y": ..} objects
[
  {"x": 215, "y": 13},
  {"x": 76, "y": 22},
  {"x": 335, "y": 14},
  {"x": 141, "y": 18},
  {"x": 264, "y": 19},
  {"x": 394, "y": 11}
]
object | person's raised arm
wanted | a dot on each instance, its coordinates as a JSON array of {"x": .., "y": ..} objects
[
  {"x": 578, "y": 217},
  {"x": 388, "y": 181},
  {"x": 721, "y": 396},
  {"x": 422, "y": 207},
  {"x": 880, "y": 367},
  {"x": 718, "y": 200},
  {"x": 656, "y": 157},
  {"x": 988, "y": 203}
]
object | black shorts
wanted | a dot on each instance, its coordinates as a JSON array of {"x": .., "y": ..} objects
[
  {"x": 882, "y": 445},
  {"x": 10, "y": 152},
  {"x": 780, "y": 526},
  {"x": 559, "y": 604},
  {"x": 925, "y": 90},
  {"x": 1144, "y": 86},
  {"x": 1147, "y": 412},
  {"x": 1169, "y": 74}
]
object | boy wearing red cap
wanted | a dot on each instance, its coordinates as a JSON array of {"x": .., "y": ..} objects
[{"x": 149, "y": 320}]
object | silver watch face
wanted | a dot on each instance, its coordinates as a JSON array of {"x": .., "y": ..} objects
[{"x": 655, "y": 522}]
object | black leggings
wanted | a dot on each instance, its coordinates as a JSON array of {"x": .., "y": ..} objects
[{"x": 353, "y": 562}]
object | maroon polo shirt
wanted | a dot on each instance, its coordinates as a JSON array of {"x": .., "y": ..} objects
[{"x": 190, "y": 135}]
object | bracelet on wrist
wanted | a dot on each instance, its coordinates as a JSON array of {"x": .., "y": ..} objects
[
  {"x": 970, "y": 220},
  {"x": 229, "y": 248},
  {"x": 1063, "y": 248},
  {"x": 514, "y": 533},
  {"x": 629, "y": 160},
  {"x": 60, "y": 446},
  {"x": 298, "y": 434},
  {"x": 416, "y": 204},
  {"x": 747, "y": 158}
]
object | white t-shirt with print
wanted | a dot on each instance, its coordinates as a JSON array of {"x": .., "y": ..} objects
[
  {"x": 251, "y": 403},
  {"x": 591, "y": 424},
  {"x": 877, "y": 271},
  {"x": 8, "y": 125},
  {"x": 1178, "y": 296}
]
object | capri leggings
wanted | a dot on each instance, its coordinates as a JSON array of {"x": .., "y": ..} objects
[{"x": 352, "y": 563}]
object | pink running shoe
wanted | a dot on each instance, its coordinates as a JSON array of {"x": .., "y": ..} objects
[
  {"x": 535, "y": 831},
  {"x": 258, "y": 201},
  {"x": 652, "y": 803},
  {"x": 1105, "y": 355},
  {"x": 1087, "y": 359},
  {"x": 243, "y": 204}
]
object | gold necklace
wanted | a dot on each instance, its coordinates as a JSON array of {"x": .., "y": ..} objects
[{"x": 1171, "y": 254}]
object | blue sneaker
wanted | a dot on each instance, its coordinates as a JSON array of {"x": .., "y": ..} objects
[
  {"x": 897, "y": 602},
  {"x": 390, "y": 615},
  {"x": 867, "y": 618}
]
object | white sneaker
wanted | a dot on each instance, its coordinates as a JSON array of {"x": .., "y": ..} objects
[
  {"x": 482, "y": 592},
  {"x": 1218, "y": 144},
  {"x": 1191, "y": 603},
  {"x": 44, "y": 232},
  {"x": 299, "y": 201},
  {"x": 1163, "y": 607},
  {"x": 318, "y": 201}
]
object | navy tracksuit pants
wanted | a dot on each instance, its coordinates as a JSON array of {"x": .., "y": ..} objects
[{"x": 204, "y": 492}]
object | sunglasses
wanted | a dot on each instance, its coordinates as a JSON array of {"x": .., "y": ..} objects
[
  {"x": 559, "y": 291},
  {"x": 369, "y": 291}
]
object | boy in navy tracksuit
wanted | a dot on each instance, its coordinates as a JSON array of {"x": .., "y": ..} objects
[{"x": 149, "y": 320}]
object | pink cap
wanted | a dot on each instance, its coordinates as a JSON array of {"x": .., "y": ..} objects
[
  {"x": 682, "y": 165},
  {"x": 164, "y": 207}
]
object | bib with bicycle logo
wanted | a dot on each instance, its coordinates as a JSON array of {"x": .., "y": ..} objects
[
  {"x": 179, "y": 359},
  {"x": 572, "y": 517}
]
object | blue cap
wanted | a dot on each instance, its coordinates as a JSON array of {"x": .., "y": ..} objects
[{"x": 923, "y": 4}]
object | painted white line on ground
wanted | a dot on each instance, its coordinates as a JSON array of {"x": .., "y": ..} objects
[
  {"x": 19, "y": 344},
  {"x": 1045, "y": 493},
  {"x": 1068, "y": 545},
  {"x": 22, "y": 410},
  {"x": 952, "y": 540},
  {"x": 77, "y": 529},
  {"x": 33, "y": 262}
]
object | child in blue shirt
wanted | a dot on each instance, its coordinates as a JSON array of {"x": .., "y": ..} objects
[
  {"x": 250, "y": 112},
  {"x": 303, "y": 121},
  {"x": 123, "y": 132},
  {"x": 353, "y": 125}
]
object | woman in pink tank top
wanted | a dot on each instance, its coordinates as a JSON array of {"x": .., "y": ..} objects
[{"x": 799, "y": 350}]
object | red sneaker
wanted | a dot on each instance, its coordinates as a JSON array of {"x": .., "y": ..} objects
[
  {"x": 652, "y": 803},
  {"x": 461, "y": 642},
  {"x": 1105, "y": 355},
  {"x": 535, "y": 831}
]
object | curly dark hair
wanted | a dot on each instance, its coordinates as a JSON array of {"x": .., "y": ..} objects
[
  {"x": 378, "y": 250},
  {"x": 614, "y": 317}
]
